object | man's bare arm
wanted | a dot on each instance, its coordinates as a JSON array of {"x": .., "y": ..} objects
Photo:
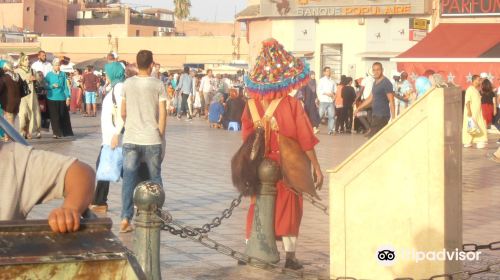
[
  {"x": 392, "y": 106},
  {"x": 162, "y": 123},
  {"x": 124, "y": 109},
  {"x": 79, "y": 191}
]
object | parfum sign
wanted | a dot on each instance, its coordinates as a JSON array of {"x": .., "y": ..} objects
[{"x": 470, "y": 8}]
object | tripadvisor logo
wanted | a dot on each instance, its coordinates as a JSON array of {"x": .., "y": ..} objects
[{"x": 387, "y": 255}]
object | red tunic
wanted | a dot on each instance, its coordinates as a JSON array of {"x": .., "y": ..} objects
[{"x": 294, "y": 123}]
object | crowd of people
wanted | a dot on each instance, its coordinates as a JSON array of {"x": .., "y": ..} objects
[
  {"x": 367, "y": 104},
  {"x": 138, "y": 99}
]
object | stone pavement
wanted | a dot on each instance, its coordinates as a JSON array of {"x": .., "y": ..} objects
[{"x": 196, "y": 174}]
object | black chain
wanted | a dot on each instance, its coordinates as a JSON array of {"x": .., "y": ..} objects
[
  {"x": 182, "y": 231},
  {"x": 472, "y": 247},
  {"x": 200, "y": 235},
  {"x": 217, "y": 221}
]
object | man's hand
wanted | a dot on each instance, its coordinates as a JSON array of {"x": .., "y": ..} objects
[
  {"x": 68, "y": 101},
  {"x": 114, "y": 141},
  {"x": 63, "y": 220},
  {"x": 319, "y": 179}
]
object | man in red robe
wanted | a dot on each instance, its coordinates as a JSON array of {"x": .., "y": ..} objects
[{"x": 290, "y": 120}]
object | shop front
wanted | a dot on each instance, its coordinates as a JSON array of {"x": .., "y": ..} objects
[{"x": 347, "y": 36}]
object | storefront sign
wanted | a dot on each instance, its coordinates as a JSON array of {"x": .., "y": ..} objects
[
  {"x": 419, "y": 23},
  {"x": 459, "y": 8},
  {"x": 332, "y": 8},
  {"x": 353, "y": 11},
  {"x": 417, "y": 35}
]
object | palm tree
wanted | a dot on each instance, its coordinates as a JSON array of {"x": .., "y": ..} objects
[{"x": 182, "y": 9}]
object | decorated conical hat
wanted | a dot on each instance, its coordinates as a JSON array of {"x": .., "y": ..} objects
[{"x": 276, "y": 72}]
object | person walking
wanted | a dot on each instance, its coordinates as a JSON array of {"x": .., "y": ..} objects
[
  {"x": 339, "y": 106},
  {"x": 326, "y": 95},
  {"x": 381, "y": 99},
  {"x": 58, "y": 101},
  {"x": 76, "y": 92},
  {"x": 111, "y": 128},
  {"x": 11, "y": 98},
  {"x": 348, "y": 98},
  {"x": 184, "y": 88},
  {"x": 473, "y": 112},
  {"x": 91, "y": 84},
  {"x": 207, "y": 91},
  {"x": 487, "y": 102},
  {"x": 145, "y": 116},
  {"x": 311, "y": 102},
  {"x": 29, "y": 110}
]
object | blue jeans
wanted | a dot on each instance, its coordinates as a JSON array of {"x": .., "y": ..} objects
[
  {"x": 329, "y": 108},
  {"x": 133, "y": 155}
]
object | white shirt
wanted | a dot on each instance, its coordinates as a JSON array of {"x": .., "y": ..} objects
[
  {"x": 44, "y": 67},
  {"x": 206, "y": 84},
  {"x": 367, "y": 84},
  {"x": 107, "y": 127},
  {"x": 326, "y": 86}
]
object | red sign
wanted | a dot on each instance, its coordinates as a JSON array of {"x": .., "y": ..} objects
[
  {"x": 470, "y": 7},
  {"x": 417, "y": 35}
]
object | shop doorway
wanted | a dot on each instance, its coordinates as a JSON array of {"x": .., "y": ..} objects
[{"x": 331, "y": 56}]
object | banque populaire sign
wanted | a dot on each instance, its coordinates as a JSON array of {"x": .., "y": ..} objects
[
  {"x": 470, "y": 8},
  {"x": 339, "y": 8}
]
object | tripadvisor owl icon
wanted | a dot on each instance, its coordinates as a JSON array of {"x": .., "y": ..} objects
[{"x": 386, "y": 255}]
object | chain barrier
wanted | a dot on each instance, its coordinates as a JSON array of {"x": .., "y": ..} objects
[
  {"x": 176, "y": 228},
  {"x": 217, "y": 221},
  {"x": 200, "y": 235}
]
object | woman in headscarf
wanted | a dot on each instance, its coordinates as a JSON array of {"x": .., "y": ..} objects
[
  {"x": 58, "y": 101},
  {"x": 111, "y": 128},
  {"x": 10, "y": 99},
  {"x": 29, "y": 110}
]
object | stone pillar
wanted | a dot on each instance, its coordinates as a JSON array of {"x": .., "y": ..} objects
[
  {"x": 149, "y": 198},
  {"x": 262, "y": 242}
]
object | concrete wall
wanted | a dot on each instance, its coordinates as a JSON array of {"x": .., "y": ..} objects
[
  {"x": 11, "y": 14},
  {"x": 119, "y": 30},
  {"x": 169, "y": 51},
  {"x": 202, "y": 28},
  {"x": 259, "y": 30},
  {"x": 401, "y": 191},
  {"x": 56, "y": 10},
  {"x": 29, "y": 15}
]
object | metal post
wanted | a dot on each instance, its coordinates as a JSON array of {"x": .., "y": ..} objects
[
  {"x": 148, "y": 197},
  {"x": 262, "y": 242}
]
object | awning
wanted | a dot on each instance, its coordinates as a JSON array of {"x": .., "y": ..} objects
[
  {"x": 457, "y": 40},
  {"x": 456, "y": 51}
]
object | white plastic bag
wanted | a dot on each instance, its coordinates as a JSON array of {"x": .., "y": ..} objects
[{"x": 472, "y": 127}]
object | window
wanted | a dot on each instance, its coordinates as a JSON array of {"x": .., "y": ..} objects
[
  {"x": 137, "y": 33},
  {"x": 45, "y": 18},
  {"x": 331, "y": 55},
  {"x": 28, "y": 9},
  {"x": 155, "y": 33}
]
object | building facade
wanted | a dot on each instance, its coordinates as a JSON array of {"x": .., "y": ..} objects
[
  {"x": 347, "y": 36},
  {"x": 122, "y": 21},
  {"x": 47, "y": 17}
]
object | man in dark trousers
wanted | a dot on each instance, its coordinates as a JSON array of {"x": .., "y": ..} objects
[{"x": 381, "y": 99}]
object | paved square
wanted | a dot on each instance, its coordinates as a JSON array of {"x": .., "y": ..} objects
[{"x": 196, "y": 174}]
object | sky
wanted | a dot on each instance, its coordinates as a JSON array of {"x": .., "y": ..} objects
[{"x": 205, "y": 10}]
